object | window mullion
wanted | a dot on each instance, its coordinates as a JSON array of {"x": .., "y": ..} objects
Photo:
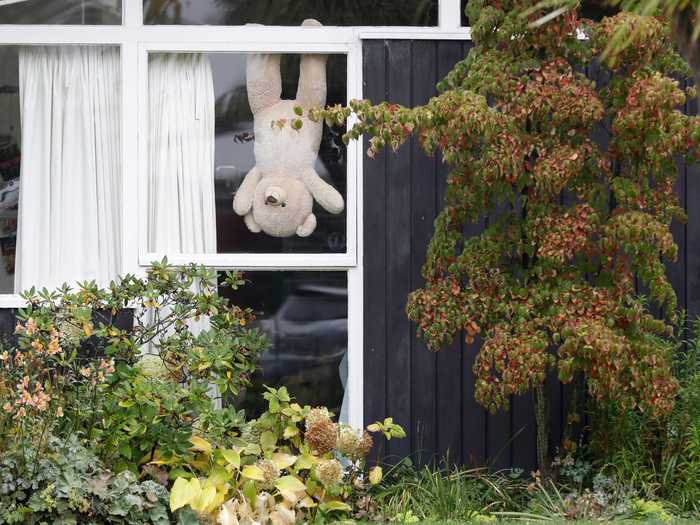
[{"x": 449, "y": 15}]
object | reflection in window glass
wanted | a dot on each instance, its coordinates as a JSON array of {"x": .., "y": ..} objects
[
  {"x": 60, "y": 165},
  {"x": 191, "y": 190},
  {"x": 80, "y": 12},
  {"x": 305, "y": 315},
  {"x": 292, "y": 12}
]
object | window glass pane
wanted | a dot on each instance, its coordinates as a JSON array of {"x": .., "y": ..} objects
[
  {"x": 60, "y": 165},
  {"x": 305, "y": 315},
  {"x": 203, "y": 143},
  {"x": 90, "y": 12},
  {"x": 292, "y": 12}
]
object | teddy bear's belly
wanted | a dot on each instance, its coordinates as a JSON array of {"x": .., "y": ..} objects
[{"x": 279, "y": 148}]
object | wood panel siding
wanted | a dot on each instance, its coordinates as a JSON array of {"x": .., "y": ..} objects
[{"x": 432, "y": 394}]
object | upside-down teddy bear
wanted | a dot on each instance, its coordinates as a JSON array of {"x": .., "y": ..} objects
[{"x": 277, "y": 195}]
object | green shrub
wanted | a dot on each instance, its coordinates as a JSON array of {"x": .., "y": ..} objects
[
  {"x": 64, "y": 483},
  {"x": 77, "y": 370}
]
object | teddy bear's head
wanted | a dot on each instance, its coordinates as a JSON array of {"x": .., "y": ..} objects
[{"x": 282, "y": 206}]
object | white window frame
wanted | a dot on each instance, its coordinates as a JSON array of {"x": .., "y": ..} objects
[{"x": 136, "y": 40}]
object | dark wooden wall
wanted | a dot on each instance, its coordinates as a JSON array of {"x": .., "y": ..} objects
[{"x": 431, "y": 394}]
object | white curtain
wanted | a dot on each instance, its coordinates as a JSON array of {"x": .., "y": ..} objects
[
  {"x": 69, "y": 226},
  {"x": 182, "y": 211},
  {"x": 181, "y": 202}
]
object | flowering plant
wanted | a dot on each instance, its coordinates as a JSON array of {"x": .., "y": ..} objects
[{"x": 78, "y": 367}]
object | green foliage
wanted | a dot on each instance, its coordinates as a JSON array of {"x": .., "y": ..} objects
[
  {"x": 551, "y": 284},
  {"x": 66, "y": 484},
  {"x": 79, "y": 370},
  {"x": 285, "y": 467},
  {"x": 658, "y": 457},
  {"x": 449, "y": 493}
]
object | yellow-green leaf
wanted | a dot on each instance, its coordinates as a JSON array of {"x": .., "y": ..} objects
[
  {"x": 205, "y": 499},
  {"x": 289, "y": 484},
  {"x": 253, "y": 472},
  {"x": 305, "y": 462},
  {"x": 330, "y": 506},
  {"x": 200, "y": 445},
  {"x": 283, "y": 461},
  {"x": 290, "y": 432},
  {"x": 183, "y": 492},
  {"x": 375, "y": 475},
  {"x": 374, "y": 427},
  {"x": 232, "y": 457},
  {"x": 307, "y": 503},
  {"x": 267, "y": 440}
]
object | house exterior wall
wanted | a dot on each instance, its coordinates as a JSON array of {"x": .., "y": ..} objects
[{"x": 432, "y": 394}]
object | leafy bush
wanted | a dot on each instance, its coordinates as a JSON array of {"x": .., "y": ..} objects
[
  {"x": 64, "y": 483},
  {"x": 291, "y": 464},
  {"x": 550, "y": 283},
  {"x": 78, "y": 369}
]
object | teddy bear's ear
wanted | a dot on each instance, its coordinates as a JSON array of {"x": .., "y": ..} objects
[{"x": 308, "y": 227}]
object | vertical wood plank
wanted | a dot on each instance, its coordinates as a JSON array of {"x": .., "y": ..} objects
[
  {"x": 423, "y": 173},
  {"x": 450, "y": 380},
  {"x": 399, "y": 213},
  {"x": 375, "y": 256},
  {"x": 692, "y": 231},
  {"x": 473, "y": 414}
]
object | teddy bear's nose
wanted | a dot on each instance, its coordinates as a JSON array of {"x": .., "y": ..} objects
[{"x": 275, "y": 196}]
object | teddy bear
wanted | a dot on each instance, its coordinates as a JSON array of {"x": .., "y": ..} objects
[{"x": 277, "y": 195}]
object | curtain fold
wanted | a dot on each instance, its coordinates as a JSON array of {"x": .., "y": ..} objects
[
  {"x": 182, "y": 211},
  {"x": 69, "y": 224}
]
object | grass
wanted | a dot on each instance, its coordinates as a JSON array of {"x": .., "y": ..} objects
[{"x": 455, "y": 496}]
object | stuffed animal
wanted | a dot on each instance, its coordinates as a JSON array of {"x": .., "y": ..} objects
[{"x": 277, "y": 195}]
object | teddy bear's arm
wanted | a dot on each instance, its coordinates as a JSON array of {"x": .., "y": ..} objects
[
  {"x": 243, "y": 200},
  {"x": 325, "y": 194},
  {"x": 263, "y": 81}
]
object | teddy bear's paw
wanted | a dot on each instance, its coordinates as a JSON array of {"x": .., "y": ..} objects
[
  {"x": 308, "y": 227},
  {"x": 250, "y": 222}
]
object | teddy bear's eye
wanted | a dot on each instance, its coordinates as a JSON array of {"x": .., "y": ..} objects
[{"x": 284, "y": 205}]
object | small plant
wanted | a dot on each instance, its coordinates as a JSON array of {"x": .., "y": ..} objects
[
  {"x": 64, "y": 483},
  {"x": 292, "y": 463}
]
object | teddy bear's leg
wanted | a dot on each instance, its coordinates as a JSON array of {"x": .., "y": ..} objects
[
  {"x": 311, "y": 92},
  {"x": 263, "y": 81},
  {"x": 325, "y": 194},
  {"x": 307, "y": 227},
  {"x": 243, "y": 200},
  {"x": 250, "y": 222}
]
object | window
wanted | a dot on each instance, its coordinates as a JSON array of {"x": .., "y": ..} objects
[
  {"x": 79, "y": 12},
  {"x": 199, "y": 102},
  {"x": 292, "y": 12},
  {"x": 60, "y": 164},
  {"x": 305, "y": 315}
]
